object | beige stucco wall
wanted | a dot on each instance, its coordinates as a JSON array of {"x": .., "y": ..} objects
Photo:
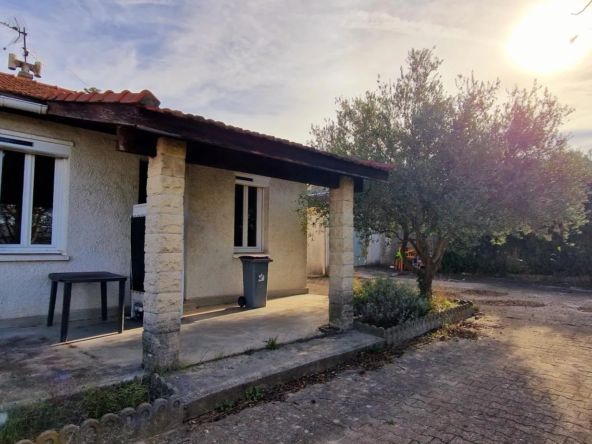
[
  {"x": 102, "y": 190},
  {"x": 317, "y": 260},
  {"x": 210, "y": 268}
]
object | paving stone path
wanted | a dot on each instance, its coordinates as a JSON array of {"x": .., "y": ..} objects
[{"x": 528, "y": 379}]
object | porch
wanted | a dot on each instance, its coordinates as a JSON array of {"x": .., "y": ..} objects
[
  {"x": 211, "y": 193},
  {"x": 35, "y": 366}
]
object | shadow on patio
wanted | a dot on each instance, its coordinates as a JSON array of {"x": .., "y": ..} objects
[{"x": 35, "y": 366}]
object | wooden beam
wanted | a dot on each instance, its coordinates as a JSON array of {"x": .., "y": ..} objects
[
  {"x": 113, "y": 113},
  {"x": 133, "y": 141},
  {"x": 209, "y": 133},
  {"x": 195, "y": 130},
  {"x": 226, "y": 159}
]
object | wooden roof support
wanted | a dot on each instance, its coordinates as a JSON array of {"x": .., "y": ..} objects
[
  {"x": 215, "y": 145},
  {"x": 133, "y": 141}
]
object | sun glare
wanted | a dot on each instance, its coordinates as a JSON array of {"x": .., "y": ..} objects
[{"x": 542, "y": 41}]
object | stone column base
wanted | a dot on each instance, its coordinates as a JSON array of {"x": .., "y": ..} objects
[
  {"x": 161, "y": 351},
  {"x": 341, "y": 254}
]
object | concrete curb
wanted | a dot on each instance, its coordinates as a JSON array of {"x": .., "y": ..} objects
[
  {"x": 411, "y": 329},
  {"x": 205, "y": 387}
]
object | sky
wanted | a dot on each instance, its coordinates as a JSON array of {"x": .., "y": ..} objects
[{"x": 276, "y": 66}]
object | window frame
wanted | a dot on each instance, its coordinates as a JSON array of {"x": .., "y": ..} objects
[
  {"x": 31, "y": 146},
  {"x": 259, "y": 183}
]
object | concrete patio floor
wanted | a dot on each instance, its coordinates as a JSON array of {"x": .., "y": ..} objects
[{"x": 35, "y": 366}]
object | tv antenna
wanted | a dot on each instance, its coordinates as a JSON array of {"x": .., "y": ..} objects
[{"x": 18, "y": 25}]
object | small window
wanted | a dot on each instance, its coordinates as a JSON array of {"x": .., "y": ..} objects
[
  {"x": 32, "y": 188},
  {"x": 248, "y": 217}
]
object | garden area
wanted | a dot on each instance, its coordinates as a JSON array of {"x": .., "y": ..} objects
[
  {"x": 128, "y": 409},
  {"x": 399, "y": 312},
  {"x": 385, "y": 303}
]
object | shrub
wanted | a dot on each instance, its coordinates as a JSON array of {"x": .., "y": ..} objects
[
  {"x": 357, "y": 286},
  {"x": 384, "y": 303},
  {"x": 28, "y": 421}
]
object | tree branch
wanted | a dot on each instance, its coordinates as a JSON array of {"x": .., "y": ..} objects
[{"x": 585, "y": 7}]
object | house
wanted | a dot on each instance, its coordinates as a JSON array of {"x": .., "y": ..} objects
[{"x": 76, "y": 167}]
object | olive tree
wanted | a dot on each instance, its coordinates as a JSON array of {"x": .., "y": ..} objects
[{"x": 467, "y": 163}]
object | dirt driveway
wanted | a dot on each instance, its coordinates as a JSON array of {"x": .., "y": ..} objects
[{"x": 527, "y": 379}]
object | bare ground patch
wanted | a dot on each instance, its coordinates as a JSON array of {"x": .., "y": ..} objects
[
  {"x": 489, "y": 293},
  {"x": 511, "y": 303}
]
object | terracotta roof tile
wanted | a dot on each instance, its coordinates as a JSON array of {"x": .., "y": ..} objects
[
  {"x": 144, "y": 98},
  {"x": 30, "y": 88}
]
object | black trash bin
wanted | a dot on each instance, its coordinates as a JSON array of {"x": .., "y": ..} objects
[{"x": 255, "y": 281}]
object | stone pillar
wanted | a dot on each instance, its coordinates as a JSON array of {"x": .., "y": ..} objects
[
  {"x": 341, "y": 254},
  {"x": 163, "y": 255}
]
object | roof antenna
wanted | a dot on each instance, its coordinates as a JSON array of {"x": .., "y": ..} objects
[{"x": 27, "y": 70}]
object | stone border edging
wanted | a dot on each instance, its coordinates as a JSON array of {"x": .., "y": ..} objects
[
  {"x": 411, "y": 329},
  {"x": 143, "y": 421}
]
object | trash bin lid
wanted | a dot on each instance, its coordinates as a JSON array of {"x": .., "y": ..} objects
[{"x": 255, "y": 258}]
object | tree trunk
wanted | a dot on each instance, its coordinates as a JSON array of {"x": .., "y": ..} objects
[
  {"x": 403, "y": 249},
  {"x": 425, "y": 278}
]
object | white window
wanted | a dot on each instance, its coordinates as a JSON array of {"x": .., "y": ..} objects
[
  {"x": 33, "y": 194},
  {"x": 248, "y": 213}
]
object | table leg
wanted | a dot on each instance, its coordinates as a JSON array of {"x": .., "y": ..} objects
[
  {"x": 52, "y": 302},
  {"x": 121, "y": 304},
  {"x": 66, "y": 310},
  {"x": 104, "y": 300}
]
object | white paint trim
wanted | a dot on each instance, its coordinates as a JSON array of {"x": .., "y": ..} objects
[
  {"x": 59, "y": 233},
  {"x": 259, "y": 247},
  {"x": 23, "y": 105},
  {"x": 38, "y": 147},
  {"x": 184, "y": 245},
  {"x": 256, "y": 181},
  {"x": 20, "y": 135},
  {"x": 59, "y": 211},
  {"x": 27, "y": 202},
  {"x": 246, "y": 218},
  {"x": 34, "y": 257},
  {"x": 139, "y": 210}
]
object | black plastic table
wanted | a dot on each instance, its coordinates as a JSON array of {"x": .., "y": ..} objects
[{"x": 74, "y": 278}]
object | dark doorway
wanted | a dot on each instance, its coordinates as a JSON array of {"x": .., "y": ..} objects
[{"x": 138, "y": 229}]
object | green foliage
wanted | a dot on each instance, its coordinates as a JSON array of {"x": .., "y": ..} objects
[
  {"x": 526, "y": 253},
  {"x": 272, "y": 344},
  {"x": 313, "y": 210},
  {"x": 98, "y": 401},
  {"x": 27, "y": 422},
  {"x": 357, "y": 286},
  {"x": 522, "y": 254},
  {"x": 376, "y": 348},
  {"x": 253, "y": 394},
  {"x": 91, "y": 89},
  {"x": 227, "y": 405},
  {"x": 467, "y": 164},
  {"x": 385, "y": 303},
  {"x": 440, "y": 302}
]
